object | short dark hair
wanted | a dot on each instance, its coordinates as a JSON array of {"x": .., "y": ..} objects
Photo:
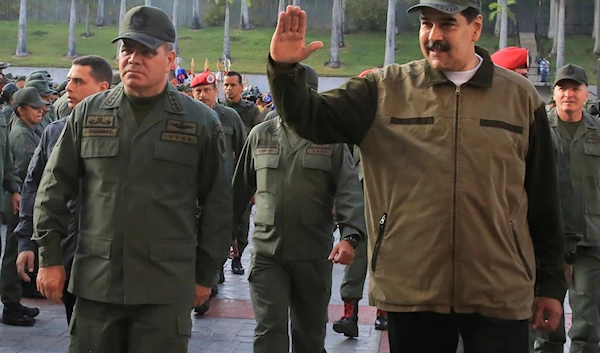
[
  {"x": 234, "y": 73},
  {"x": 470, "y": 14},
  {"x": 101, "y": 70}
]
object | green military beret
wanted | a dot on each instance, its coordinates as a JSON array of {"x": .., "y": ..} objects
[
  {"x": 42, "y": 87},
  {"x": 147, "y": 25},
  {"x": 29, "y": 96}
]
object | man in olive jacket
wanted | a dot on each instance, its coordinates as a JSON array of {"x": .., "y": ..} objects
[
  {"x": 463, "y": 215},
  {"x": 145, "y": 157}
]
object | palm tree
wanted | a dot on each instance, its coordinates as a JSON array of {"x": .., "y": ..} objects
[
  {"x": 503, "y": 24},
  {"x": 555, "y": 32},
  {"x": 100, "y": 22},
  {"x": 148, "y": 3},
  {"x": 336, "y": 19},
  {"x": 281, "y": 7},
  {"x": 560, "y": 43},
  {"x": 597, "y": 28},
  {"x": 175, "y": 15},
  {"x": 71, "y": 51},
  {"x": 552, "y": 22},
  {"x": 122, "y": 12},
  {"x": 390, "y": 34},
  {"x": 22, "y": 35},
  {"x": 88, "y": 29},
  {"x": 296, "y": 3},
  {"x": 196, "y": 15},
  {"x": 244, "y": 18},
  {"x": 226, "y": 30}
]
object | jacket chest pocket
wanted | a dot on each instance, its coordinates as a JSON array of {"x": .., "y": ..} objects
[
  {"x": 317, "y": 162},
  {"x": 176, "y": 168},
  {"x": 591, "y": 159},
  {"x": 266, "y": 172},
  {"x": 99, "y": 147}
]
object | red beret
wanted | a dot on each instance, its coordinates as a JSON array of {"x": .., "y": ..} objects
[
  {"x": 511, "y": 58},
  {"x": 205, "y": 78},
  {"x": 364, "y": 73}
]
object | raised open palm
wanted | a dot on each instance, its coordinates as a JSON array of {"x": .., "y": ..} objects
[{"x": 288, "y": 45}]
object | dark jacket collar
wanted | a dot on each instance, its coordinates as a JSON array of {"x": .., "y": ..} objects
[{"x": 482, "y": 78}]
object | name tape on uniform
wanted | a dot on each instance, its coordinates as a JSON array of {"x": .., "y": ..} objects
[
  {"x": 178, "y": 137},
  {"x": 321, "y": 150},
  {"x": 100, "y": 132}
]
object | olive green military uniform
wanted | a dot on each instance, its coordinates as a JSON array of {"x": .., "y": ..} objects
[
  {"x": 22, "y": 141},
  {"x": 235, "y": 133},
  {"x": 61, "y": 107},
  {"x": 296, "y": 183},
  {"x": 355, "y": 274},
  {"x": 141, "y": 248},
  {"x": 248, "y": 112},
  {"x": 44, "y": 90},
  {"x": 580, "y": 143}
]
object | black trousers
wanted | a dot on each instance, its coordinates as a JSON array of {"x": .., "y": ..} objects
[
  {"x": 428, "y": 332},
  {"x": 68, "y": 300}
]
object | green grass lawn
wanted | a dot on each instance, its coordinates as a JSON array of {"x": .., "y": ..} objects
[
  {"x": 578, "y": 50},
  {"x": 47, "y": 44}
]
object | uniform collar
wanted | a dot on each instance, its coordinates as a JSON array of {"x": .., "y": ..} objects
[
  {"x": 482, "y": 78},
  {"x": 115, "y": 97}
]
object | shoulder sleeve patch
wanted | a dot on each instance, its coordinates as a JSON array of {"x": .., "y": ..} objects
[{"x": 218, "y": 134}]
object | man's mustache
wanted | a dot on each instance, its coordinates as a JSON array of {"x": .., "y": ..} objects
[{"x": 438, "y": 45}]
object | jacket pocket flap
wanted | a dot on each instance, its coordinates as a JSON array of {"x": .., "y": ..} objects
[
  {"x": 93, "y": 245},
  {"x": 172, "y": 251},
  {"x": 174, "y": 152},
  {"x": 99, "y": 147},
  {"x": 266, "y": 161},
  {"x": 265, "y": 216},
  {"x": 591, "y": 149},
  {"x": 317, "y": 162}
]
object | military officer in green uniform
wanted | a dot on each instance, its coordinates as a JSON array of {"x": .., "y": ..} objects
[
  {"x": 297, "y": 184},
  {"x": 577, "y": 134},
  {"x": 204, "y": 89},
  {"x": 22, "y": 140},
  {"x": 249, "y": 112},
  {"x": 141, "y": 158},
  {"x": 47, "y": 95}
]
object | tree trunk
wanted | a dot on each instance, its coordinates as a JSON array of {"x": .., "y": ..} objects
[
  {"x": 122, "y": 12},
  {"x": 57, "y": 10},
  {"x": 342, "y": 25},
  {"x": 72, "y": 50},
  {"x": 345, "y": 27},
  {"x": 497, "y": 25},
  {"x": 196, "y": 24},
  {"x": 174, "y": 19},
  {"x": 88, "y": 30},
  {"x": 22, "y": 35},
  {"x": 560, "y": 45},
  {"x": 597, "y": 28},
  {"x": 100, "y": 22},
  {"x": 390, "y": 34},
  {"x": 555, "y": 35},
  {"x": 281, "y": 6},
  {"x": 552, "y": 23},
  {"x": 148, "y": 3},
  {"x": 336, "y": 19},
  {"x": 244, "y": 21},
  {"x": 296, "y": 3},
  {"x": 226, "y": 36},
  {"x": 503, "y": 25},
  {"x": 596, "y": 18}
]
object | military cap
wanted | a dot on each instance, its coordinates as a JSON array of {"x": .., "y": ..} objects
[
  {"x": 9, "y": 76},
  {"x": 44, "y": 73},
  {"x": 29, "y": 96},
  {"x": 20, "y": 78},
  {"x": 571, "y": 72},
  {"x": 38, "y": 76},
  {"x": 3, "y": 79},
  {"x": 8, "y": 90},
  {"x": 147, "y": 25},
  {"x": 203, "y": 79},
  {"x": 62, "y": 86},
  {"x": 42, "y": 87},
  {"x": 450, "y": 7},
  {"x": 3, "y": 65},
  {"x": 184, "y": 87}
]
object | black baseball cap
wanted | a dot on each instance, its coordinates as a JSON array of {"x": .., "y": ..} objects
[
  {"x": 450, "y": 7},
  {"x": 147, "y": 25}
]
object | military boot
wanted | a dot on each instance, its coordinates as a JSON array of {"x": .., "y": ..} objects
[
  {"x": 381, "y": 322},
  {"x": 202, "y": 308},
  {"x": 348, "y": 324},
  {"x": 14, "y": 315},
  {"x": 236, "y": 266}
]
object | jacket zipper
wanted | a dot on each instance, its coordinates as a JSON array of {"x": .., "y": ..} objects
[
  {"x": 514, "y": 234},
  {"x": 377, "y": 246},
  {"x": 454, "y": 196}
]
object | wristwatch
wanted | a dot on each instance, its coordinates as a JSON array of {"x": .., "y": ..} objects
[
  {"x": 353, "y": 240},
  {"x": 570, "y": 257}
]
